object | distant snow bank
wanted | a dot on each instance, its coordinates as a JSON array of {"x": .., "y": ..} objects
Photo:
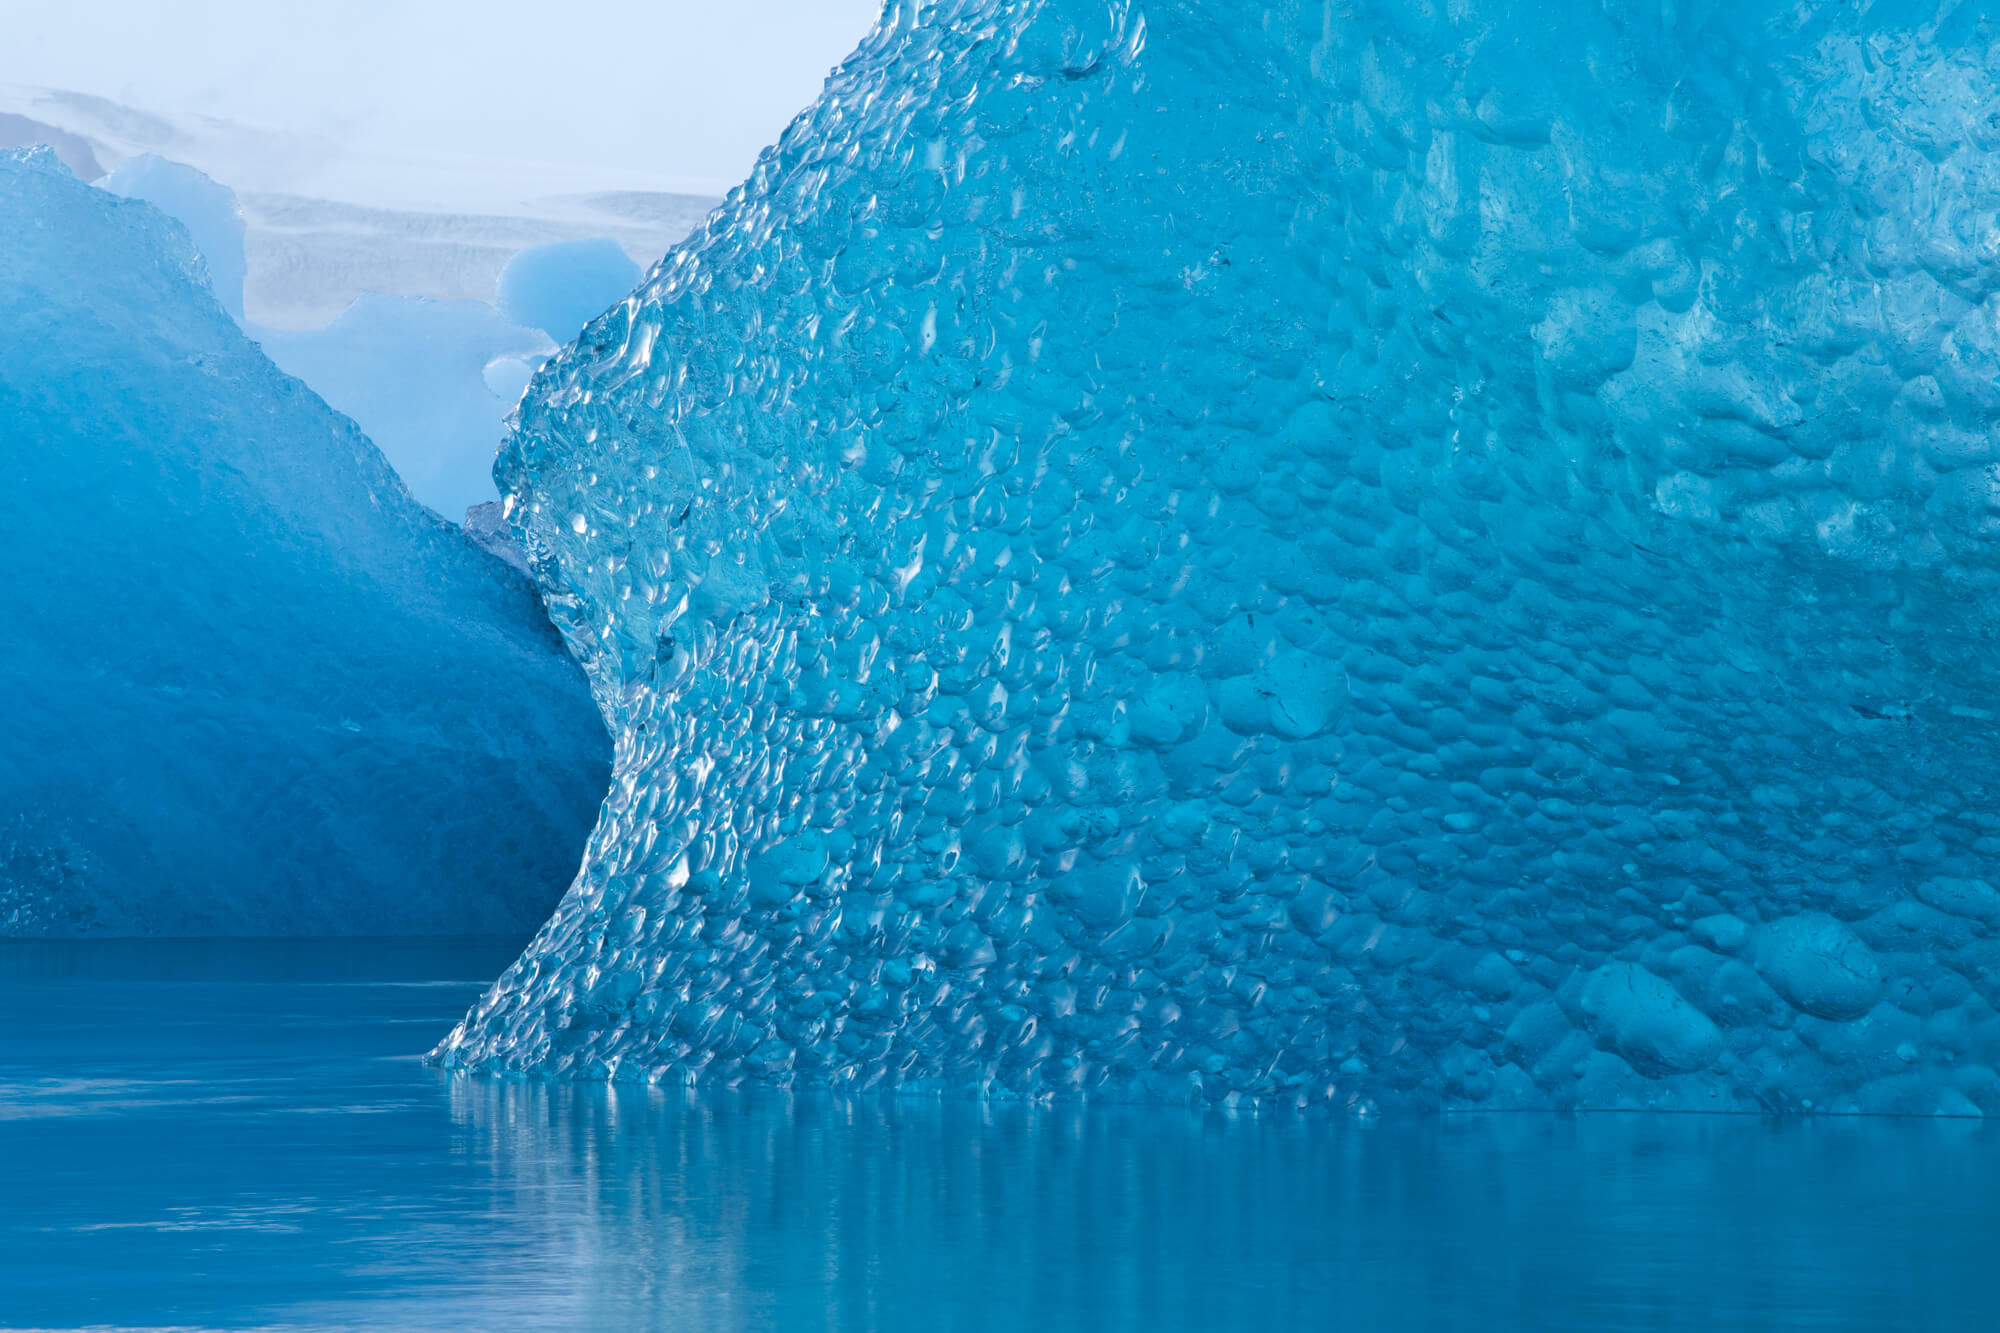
[
  {"x": 431, "y": 376},
  {"x": 325, "y": 222}
]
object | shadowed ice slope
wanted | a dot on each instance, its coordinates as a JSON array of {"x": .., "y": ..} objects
[{"x": 250, "y": 686}]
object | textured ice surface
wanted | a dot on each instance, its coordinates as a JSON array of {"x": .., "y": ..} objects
[
  {"x": 250, "y": 686},
  {"x": 561, "y": 286},
  {"x": 487, "y": 526},
  {"x": 1378, "y": 554}
]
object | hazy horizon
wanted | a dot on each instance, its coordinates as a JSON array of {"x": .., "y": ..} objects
[{"x": 445, "y": 107}]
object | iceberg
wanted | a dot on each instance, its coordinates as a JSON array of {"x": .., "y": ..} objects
[
  {"x": 329, "y": 218},
  {"x": 207, "y": 209},
  {"x": 560, "y": 286},
  {"x": 74, "y": 151},
  {"x": 416, "y": 375},
  {"x": 430, "y": 382},
  {"x": 1375, "y": 556},
  {"x": 251, "y": 686},
  {"x": 309, "y": 259}
]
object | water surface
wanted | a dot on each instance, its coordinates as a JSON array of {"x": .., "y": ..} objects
[{"x": 228, "y": 1134}]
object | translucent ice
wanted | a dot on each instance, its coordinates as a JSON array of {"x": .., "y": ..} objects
[
  {"x": 430, "y": 382},
  {"x": 1381, "y": 554},
  {"x": 251, "y": 687},
  {"x": 72, "y": 150},
  {"x": 561, "y": 286},
  {"x": 414, "y": 374}
]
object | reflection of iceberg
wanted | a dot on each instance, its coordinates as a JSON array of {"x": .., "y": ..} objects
[
  {"x": 714, "y": 1211},
  {"x": 1393, "y": 555},
  {"x": 251, "y": 686}
]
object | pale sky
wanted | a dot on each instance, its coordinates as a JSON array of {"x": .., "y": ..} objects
[{"x": 392, "y": 101}]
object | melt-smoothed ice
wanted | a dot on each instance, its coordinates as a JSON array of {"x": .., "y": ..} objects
[
  {"x": 417, "y": 376},
  {"x": 563, "y": 285},
  {"x": 208, "y": 211},
  {"x": 1368, "y": 555},
  {"x": 251, "y": 687}
]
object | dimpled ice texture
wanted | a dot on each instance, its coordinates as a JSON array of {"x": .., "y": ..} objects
[
  {"x": 1369, "y": 555},
  {"x": 248, "y": 686}
]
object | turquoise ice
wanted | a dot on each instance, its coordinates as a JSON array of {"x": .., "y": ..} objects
[
  {"x": 248, "y": 685},
  {"x": 1366, "y": 555}
]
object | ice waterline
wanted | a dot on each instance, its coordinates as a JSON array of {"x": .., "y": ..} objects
[{"x": 1369, "y": 556}]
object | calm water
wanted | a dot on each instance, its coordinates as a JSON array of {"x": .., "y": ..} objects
[{"x": 232, "y": 1135}]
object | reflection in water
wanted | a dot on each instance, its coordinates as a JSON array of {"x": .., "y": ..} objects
[
  {"x": 240, "y": 1135},
  {"x": 815, "y": 1213}
]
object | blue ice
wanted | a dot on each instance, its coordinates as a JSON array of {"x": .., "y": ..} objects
[
  {"x": 252, "y": 687},
  {"x": 1383, "y": 555},
  {"x": 431, "y": 382},
  {"x": 208, "y": 211},
  {"x": 560, "y": 286}
]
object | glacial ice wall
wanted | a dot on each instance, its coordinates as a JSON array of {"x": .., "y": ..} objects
[
  {"x": 1362, "y": 555},
  {"x": 248, "y": 686}
]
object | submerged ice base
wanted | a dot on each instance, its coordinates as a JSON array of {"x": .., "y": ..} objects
[
  {"x": 1359, "y": 556},
  {"x": 248, "y": 685}
]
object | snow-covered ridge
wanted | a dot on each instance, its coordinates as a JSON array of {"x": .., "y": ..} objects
[{"x": 309, "y": 259}]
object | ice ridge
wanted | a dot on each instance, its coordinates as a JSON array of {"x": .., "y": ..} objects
[{"x": 249, "y": 686}]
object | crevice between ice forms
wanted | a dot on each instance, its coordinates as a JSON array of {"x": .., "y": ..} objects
[{"x": 1368, "y": 555}]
